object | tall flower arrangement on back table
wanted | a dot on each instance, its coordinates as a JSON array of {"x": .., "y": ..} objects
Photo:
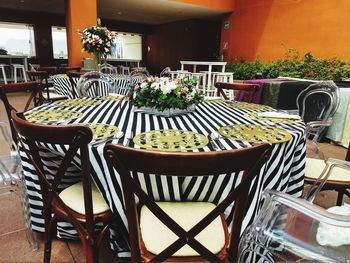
[{"x": 97, "y": 40}]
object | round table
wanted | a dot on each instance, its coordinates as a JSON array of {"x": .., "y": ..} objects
[{"x": 284, "y": 171}]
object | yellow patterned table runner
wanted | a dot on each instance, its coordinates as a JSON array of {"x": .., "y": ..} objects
[
  {"x": 52, "y": 115},
  {"x": 255, "y": 133},
  {"x": 248, "y": 106},
  {"x": 170, "y": 140},
  {"x": 77, "y": 102},
  {"x": 254, "y": 116}
]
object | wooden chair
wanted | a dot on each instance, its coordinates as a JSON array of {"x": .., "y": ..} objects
[
  {"x": 251, "y": 89},
  {"x": 330, "y": 174},
  {"x": 42, "y": 77},
  {"x": 50, "y": 70},
  {"x": 67, "y": 69},
  {"x": 80, "y": 204},
  {"x": 151, "y": 245},
  {"x": 35, "y": 98}
]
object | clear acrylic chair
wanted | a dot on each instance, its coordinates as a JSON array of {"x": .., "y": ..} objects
[
  {"x": 107, "y": 69},
  {"x": 12, "y": 180},
  {"x": 94, "y": 84},
  {"x": 316, "y": 105},
  {"x": 290, "y": 229},
  {"x": 165, "y": 72}
]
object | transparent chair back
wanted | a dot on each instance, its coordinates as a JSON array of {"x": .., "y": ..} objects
[
  {"x": 107, "y": 69},
  {"x": 165, "y": 72},
  {"x": 136, "y": 78},
  {"x": 94, "y": 84},
  {"x": 290, "y": 229},
  {"x": 140, "y": 70}
]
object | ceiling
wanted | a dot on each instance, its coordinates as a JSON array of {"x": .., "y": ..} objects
[{"x": 141, "y": 11}]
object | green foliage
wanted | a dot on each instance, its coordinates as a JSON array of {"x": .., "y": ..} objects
[
  {"x": 163, "y": 93},
  {"x": 307, "y": 67}
]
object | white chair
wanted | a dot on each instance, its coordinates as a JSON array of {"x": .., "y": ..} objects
[
  {"x": 19, "y": 68},
  {"x": 2, "y": 67},
  {"x": 124, "y": 70},
  {"x": 201, "y": 80}
]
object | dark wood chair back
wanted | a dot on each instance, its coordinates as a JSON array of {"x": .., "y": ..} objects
[
  {"x": 50, "y": 70},
  {"x": 35, "y": 98},
  {"x": 127, "y": 161},
  {"x": 347, "y": 157},
  {"x": 67, "y": 69},
  {"x": 251, "y": 89},
  {"x": 75, "y": 139},
  {"x": 42, "y": 77}
]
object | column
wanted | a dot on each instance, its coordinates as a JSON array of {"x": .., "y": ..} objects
[{"x": 79, "y": 15}]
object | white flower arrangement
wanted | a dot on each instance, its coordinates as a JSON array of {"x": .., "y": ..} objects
[{"x": 165, "y": 93}]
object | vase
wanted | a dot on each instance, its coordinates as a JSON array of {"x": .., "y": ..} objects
[
  {"x": 97, "y": 60},
  {"x": 167, "y": 112}
]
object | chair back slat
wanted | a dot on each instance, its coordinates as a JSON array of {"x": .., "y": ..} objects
[
  {"x": 75, "y": 138},
  {"x": 35, "y": 97},
  {"x": 130, "y": 162}
]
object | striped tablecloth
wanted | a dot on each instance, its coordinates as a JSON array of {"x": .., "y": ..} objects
[
  {"x": 284, "y": 171},
  {"x": 63, "y": 86}
]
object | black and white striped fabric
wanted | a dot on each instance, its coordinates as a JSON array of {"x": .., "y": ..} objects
[
  {"x": 284, "y": 171},
  {"x": 62, "y": 85}
]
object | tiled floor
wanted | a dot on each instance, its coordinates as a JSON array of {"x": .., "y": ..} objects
[{"x": 14, "y": 246}]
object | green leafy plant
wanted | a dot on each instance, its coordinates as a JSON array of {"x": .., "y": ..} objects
[
  {"x": 293, "y": 65},
  {"x": 165, "y": 93}
]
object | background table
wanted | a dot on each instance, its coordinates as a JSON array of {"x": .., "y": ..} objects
[
  {"x": 284, "y": 171},
  {"x": 63, "y": 86}
]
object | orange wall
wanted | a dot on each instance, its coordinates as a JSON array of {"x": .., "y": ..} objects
[
  {"x": 78, "y": 18},
  {"x": 214, "y": 4},
  {"x": 266, "y": 28}
]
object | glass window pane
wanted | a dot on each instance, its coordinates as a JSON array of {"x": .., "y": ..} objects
[
  {"x": 59, "y": 42},
  {"x": 17, "y": 39},
  {"x": 128, "y": 46}
]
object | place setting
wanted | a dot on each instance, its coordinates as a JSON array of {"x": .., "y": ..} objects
[{"x": 170, "y": 140}]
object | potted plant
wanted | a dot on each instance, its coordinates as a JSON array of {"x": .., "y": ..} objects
[{"x": 165, "y": 96}]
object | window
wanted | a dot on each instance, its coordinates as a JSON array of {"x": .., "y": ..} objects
[
  {"x": 59, "y": 42},
  {"x": 128, "y": 46},
  {"x": 17, "y": 39}
]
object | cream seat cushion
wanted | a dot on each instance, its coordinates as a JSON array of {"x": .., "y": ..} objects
[
  {"x": 156, "y": 236},
  {"x": 73, "y": 197},
  {"x": 314, "y": 168}
]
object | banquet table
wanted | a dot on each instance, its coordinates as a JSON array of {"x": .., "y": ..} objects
[
  {"x": 284, "y": 171},
  {"x": 63, "y": 86}
]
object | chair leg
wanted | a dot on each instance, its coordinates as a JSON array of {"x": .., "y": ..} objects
[
  {"x": 26, "y": 213},
  {"x": 50, "y": 229},
  {"x": 340, "y": 198},
  {"x": 90, "y": 251}
]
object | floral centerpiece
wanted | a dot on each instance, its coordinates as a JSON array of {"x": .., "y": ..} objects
[
  {"x": 97, "y": 40},
  {"x": 164, "y": 96}
]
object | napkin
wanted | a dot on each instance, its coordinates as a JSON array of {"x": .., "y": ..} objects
[
  {"x": 329, "y": 235},
  {"x": 280, "y": 115},
  {"x": 208, "y": 98},
  {"x": 115, "y": 95}
]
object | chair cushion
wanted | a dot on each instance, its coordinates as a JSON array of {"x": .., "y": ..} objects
[
  {"x": 156, "y": 236},
  {"x": 73, "y": 197},
  {"x": 314, "y": 168}
]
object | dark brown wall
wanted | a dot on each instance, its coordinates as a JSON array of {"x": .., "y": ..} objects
[
  {"x": 169, "y": 43},
  {"x": 42, "y": 23},
  {"x": 184, "y": 40}
]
